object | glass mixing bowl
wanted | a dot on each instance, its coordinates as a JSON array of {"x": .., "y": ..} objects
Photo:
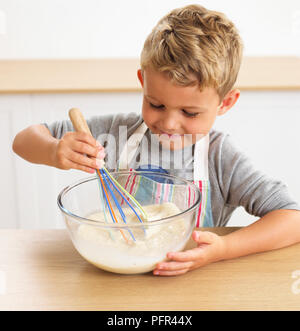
[{"x": 170, "y": 202}]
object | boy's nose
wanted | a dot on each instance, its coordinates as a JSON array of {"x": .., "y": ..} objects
[{"x": 170, "y": 124}]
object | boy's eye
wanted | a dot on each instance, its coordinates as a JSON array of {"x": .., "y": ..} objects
[
  {"x": 186, "y": 113},
  {"x": 155, "y": 106}
]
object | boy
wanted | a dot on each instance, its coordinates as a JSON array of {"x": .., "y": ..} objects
[{"x": 189, "y": 65}]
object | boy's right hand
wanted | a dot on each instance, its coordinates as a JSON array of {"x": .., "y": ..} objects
[{"x": 79, "y": 150}]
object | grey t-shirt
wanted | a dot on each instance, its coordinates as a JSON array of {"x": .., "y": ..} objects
[{"x": 234, "y": 181}]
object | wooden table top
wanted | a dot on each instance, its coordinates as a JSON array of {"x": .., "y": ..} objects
[{"x": 41, "y": 270}]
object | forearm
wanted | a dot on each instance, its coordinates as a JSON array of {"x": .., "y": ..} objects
[
  {"x": 36, "y": 144},
  {"x": 277, "y": 229}
]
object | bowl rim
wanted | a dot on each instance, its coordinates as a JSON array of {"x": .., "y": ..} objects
[{"x": 85, "y": 220}]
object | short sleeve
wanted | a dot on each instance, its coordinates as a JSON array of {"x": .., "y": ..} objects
[{"x": 97, "y": 125}]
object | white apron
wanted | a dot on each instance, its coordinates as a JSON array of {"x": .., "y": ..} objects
[{"x": 163, "y": 191}]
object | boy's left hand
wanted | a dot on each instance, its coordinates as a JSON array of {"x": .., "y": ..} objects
[{"x": 210, "y": 248}]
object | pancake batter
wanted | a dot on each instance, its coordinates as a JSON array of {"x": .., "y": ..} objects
[{"x": 107, "y": 249}]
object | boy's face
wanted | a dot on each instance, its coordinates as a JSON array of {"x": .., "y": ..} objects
[{"x": 179, "y": 115}]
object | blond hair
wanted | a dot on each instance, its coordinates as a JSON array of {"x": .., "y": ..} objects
[{"x": 197, "y": 41}]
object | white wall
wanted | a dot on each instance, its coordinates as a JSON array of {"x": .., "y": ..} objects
[
  {"x": 101, "y": 28},
  {"x": 265, "y": 124}
]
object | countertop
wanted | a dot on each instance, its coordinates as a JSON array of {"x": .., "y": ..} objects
[
  {"x": 41, "y": 270},
  {"x": 119, "y": 75}
]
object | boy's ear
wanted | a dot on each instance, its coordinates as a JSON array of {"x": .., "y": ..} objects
[
  {"x": 229, "y": 101},
  {"x": 140, "y": 77}
]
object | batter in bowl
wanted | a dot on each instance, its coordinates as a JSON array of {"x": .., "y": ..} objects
[{"x": 107, "y": 249}]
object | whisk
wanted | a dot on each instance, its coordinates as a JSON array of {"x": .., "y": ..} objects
[{"x": 107, "y": 182}]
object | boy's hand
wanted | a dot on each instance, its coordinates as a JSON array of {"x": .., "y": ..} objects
[
  {"x": 210, "y": 248},
  {"x": 78, "y": 150}
]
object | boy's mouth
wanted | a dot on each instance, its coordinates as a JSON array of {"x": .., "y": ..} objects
[
  {"x": 169, "y": 136},
  {"x": 173, "y": 141},
  {"x": 174, "y": 136}
]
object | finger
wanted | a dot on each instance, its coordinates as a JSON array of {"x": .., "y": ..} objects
[
  {"x": 87, "y": 138},
  {"x": 172, "y": 266},
  {"x": 204, "y": 237},
  {"x": 99, "y": 163},
  {"x": 170, "y": 273},
  {"x": 84, "y": 148},
  {"x": 72, "y": 165},
  {"x": 101, "y": 155},
  {"x": 85, "y": 161},
  {"x": 186, "y": 256}
]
